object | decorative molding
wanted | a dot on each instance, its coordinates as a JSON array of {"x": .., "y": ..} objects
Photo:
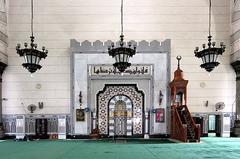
[
  {"x": 235, "y": 36},
  {"x": 101, "y": 47},
  {"x": 104, "y": 98},
  {"x": 234, "y": 40},
  {"x": 236, "y": 67},
  {"x": 235, "y": 16},
  {"x": 3, "y": 17},
  {"x": 109, "y": 70},
  {"x": 235, "y": 56},
  {"x": 235, "y": 10},
  {"x": 3, "y": 57},
  {"x": 124, "y": 117},
  {"x": 3, "y": 38}
]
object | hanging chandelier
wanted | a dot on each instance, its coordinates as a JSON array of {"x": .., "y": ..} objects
[
  {"x": 31, "y": 55},
  {"x": 209, "y": 53},
  {"x": 123, "y": 52}
]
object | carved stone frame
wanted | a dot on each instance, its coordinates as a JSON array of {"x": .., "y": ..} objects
[{"x": 99, "y": 47}]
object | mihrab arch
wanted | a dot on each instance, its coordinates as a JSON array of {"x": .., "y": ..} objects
[{"x": 132, "y": 98}]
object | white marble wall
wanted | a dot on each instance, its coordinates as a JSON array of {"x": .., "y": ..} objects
[
  {"x": 57, "y": 21},
  {"x": 150, "y": 85},
  {"x": 3, "y": 31}
]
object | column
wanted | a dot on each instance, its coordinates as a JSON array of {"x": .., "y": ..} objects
[
  {"x": 146, "y": 133},
  {"x": 236, "y": 66},
  {"x": 3, "y": 52},
  {"x": 235, "y": 35},
  {"x": 93, "y": 120},
  {"x": 235, "y": 56},
  {"x": 2, "y": 67}
]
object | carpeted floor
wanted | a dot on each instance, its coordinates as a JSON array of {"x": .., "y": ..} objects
[{"x": 209, "y": 148}]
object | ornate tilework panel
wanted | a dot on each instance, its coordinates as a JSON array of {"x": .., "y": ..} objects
[
  {"x": 121, "y": 118},
  {"x": 106, "y": 102}
]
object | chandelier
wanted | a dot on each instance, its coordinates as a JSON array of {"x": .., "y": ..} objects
[
  {"x": 209, "y": 53},
  {"x": 31, "y": 55},
  {"x": 123, "y": 52}
]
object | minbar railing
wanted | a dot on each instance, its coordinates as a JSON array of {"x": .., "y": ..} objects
[
  {"x": 196, "y": 127},
  {"x": 180, "y": 127}
]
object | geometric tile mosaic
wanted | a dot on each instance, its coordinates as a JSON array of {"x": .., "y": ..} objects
[{"x": 134, "y": 100}]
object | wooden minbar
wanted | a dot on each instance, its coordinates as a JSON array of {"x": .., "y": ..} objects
[{"x": 183, "y": 127}]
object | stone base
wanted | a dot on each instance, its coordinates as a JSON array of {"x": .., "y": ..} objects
[
  {"x": 146, "y": 136},
  {"x": 236, "y": 129},
  {"x": 236, "y": 132},
  {"x": 62, "y": 136},
  {"x": 237, "y": 123},
  {"x": 2, "y": 134}
]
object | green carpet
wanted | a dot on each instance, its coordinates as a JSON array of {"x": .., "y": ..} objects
[{"x": 209, "y": 148}]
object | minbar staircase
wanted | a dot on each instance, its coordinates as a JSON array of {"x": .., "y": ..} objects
[{"x": 183, "y": 127}]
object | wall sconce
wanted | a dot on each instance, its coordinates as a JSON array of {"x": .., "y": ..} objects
[
  {"x": 40, "y": 105},
  {"x": 4, "y": 99},
  {"x": 153, "y": 110},
  {"x": 206, "y": 103},
  {"x": 160, "y": 97},
  {"x": 80, "y": 98},
  {"x": 87, "y": 109}
]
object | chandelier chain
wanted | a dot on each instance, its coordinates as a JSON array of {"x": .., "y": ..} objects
[
  {"x": 122, "y": 53},
  {"x": 210, "y": 17},
  {"x": 32, "y": 17},
  {"x": 121, "y": 17}
]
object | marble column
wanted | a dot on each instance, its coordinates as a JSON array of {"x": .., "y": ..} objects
[
  {"x": 146, "y": 133},
  {"x": 235, "y": 58},
  {"x": 236, "y": 129},
  {"x": 3, "y": 52},
  {"x": 235, "y": 29},
  {"x": 94, "y": 120},
  {"x": 2, "y": 68},
  {"x": 236, "y": 66}
]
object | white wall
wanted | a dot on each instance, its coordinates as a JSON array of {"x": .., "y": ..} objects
[
  {"x": 3, "y": 31},
  {"x": 91, "y": 86},
  {"x": 57, "y": 21}
]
